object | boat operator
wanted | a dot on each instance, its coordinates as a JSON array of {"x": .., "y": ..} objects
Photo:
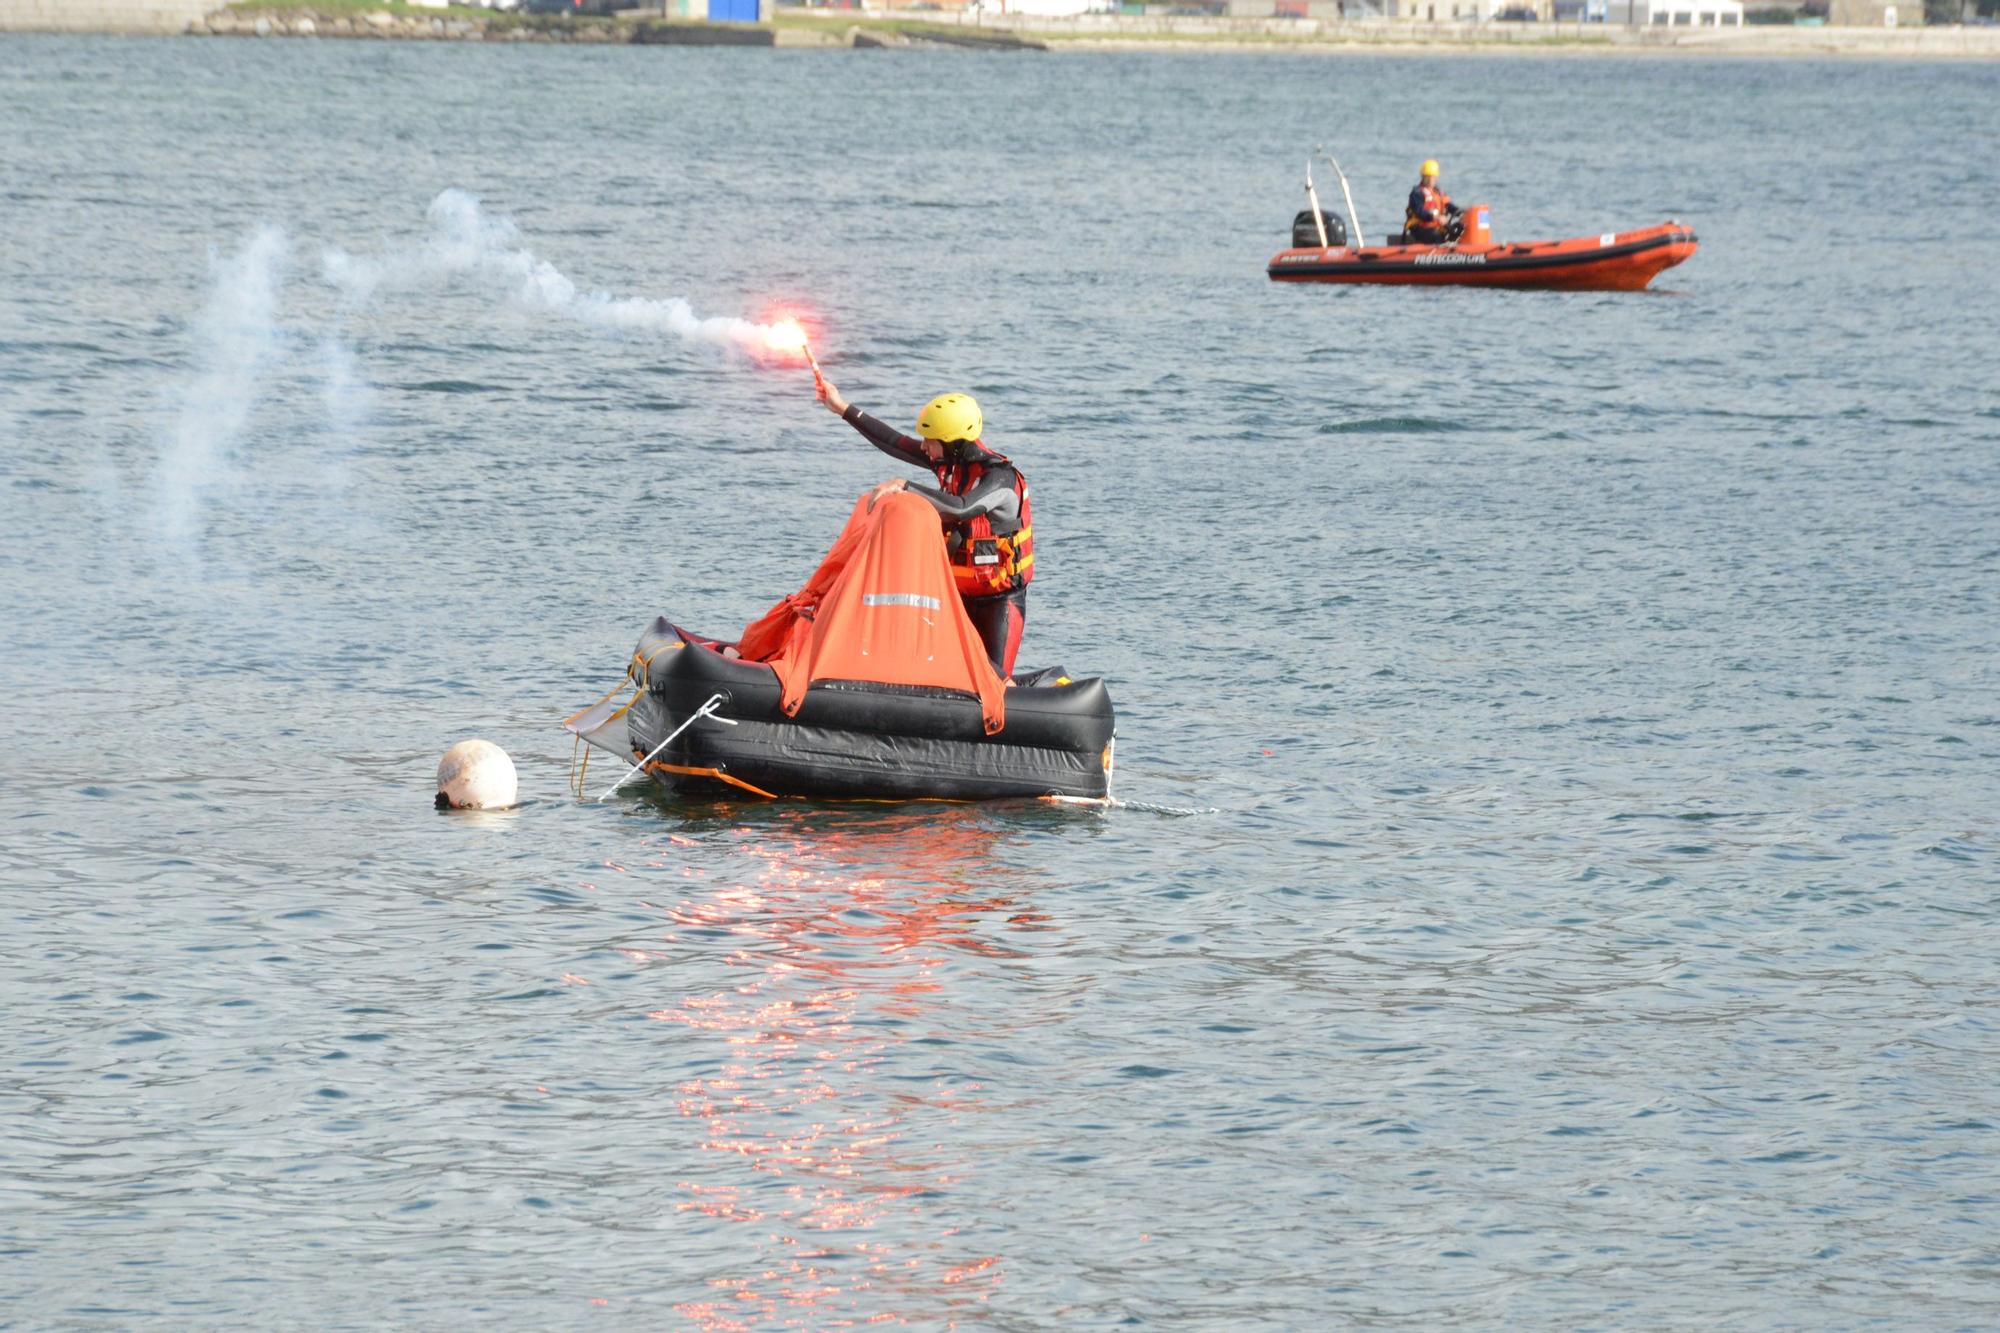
[
  {"x": 982, "y": 500},
  {"x": 1432, "y": 218}
]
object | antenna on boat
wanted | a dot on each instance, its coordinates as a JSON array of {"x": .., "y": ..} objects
[
  {"x": 1360, "y": 237},
  {"x": 1312, "y": 196}
]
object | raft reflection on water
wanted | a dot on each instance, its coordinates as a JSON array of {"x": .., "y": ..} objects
[{"x": 827, "y": 1179}]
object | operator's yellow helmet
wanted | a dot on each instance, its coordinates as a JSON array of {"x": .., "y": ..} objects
[
  {"x": 1429, "y": 168},
  {"x": 951, "y": 417}
]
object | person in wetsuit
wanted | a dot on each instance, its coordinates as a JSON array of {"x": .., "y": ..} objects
[
  {"x": 1432, "y": 217},
  {"x": 982, "y": 500}
]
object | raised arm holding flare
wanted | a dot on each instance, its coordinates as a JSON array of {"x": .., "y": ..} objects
[{"x": 982, "y": 500}]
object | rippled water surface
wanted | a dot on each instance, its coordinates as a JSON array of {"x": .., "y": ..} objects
[{"x": 1591, "y": 700}]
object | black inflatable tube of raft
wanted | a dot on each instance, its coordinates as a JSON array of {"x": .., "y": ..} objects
[{"x": 859, "y": 739}]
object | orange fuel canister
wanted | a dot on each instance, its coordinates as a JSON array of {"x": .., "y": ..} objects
[{"x": 1478, "y": 233}]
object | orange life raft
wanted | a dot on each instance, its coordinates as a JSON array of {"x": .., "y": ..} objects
[
  {"x": 1614, "y": 261},
  {"x": 869, "y": 682}
]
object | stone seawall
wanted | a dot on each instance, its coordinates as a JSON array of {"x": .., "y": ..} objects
[
  {"x": 377, "y": 23},
  {"x": 101, "y": 15}
]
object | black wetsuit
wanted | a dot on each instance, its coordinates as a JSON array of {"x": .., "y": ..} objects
[{"x": 1002, "y": 617}]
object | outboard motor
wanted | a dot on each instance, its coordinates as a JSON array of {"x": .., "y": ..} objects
[{"x": 1305, "y": 236}]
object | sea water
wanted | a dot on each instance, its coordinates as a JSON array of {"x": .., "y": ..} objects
[{"x": 1588, "y": 701}]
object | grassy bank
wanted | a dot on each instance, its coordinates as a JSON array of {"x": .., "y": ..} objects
[
  {"x": 486, "y": 21},
  {"x": 355, "y": 9}
]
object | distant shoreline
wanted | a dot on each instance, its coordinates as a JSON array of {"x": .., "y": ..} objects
[
  {"x": 829, "y": 29},
  {"x": 1822, "y": 46},
  {"x": 1111, "y": 32}
]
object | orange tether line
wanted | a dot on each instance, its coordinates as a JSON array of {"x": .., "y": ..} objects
[
  {"x": 638, "y": 688},
  {"x": 716, "y": 773}
]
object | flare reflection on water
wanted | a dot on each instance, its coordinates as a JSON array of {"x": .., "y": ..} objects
[{"x": 843, "y": 935}]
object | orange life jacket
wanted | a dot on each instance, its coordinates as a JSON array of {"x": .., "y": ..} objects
[
  {"x": 988, "y": 558},
  {"x": 1430, "y": 198}
]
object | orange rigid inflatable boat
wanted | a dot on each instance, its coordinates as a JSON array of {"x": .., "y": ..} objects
[{"x": 1614, "y": 261}]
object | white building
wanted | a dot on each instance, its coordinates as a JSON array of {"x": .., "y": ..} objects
[
  {"x": 1677, "y": 13},
  {"x": 1046, "y": 8}
]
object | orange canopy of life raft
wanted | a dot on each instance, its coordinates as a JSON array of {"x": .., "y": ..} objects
[{"x": 881, "y": 607}]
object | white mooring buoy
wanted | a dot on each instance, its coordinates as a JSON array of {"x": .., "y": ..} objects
[{"x": 476, "y": 775}]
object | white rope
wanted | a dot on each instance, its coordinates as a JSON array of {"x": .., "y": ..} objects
[
  {"x": 1140, "y": 807},
  {"x": 704, "y": 711},
  {"x": 1110, "y": 802}
]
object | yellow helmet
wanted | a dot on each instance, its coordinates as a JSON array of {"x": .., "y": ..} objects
[
  {"x": 951, "y": 417},
  {"x": 1429, "y": 168}
]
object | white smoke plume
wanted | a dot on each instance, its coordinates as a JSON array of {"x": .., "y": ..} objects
[
  {"x": 344, "y": 392},
  {"x": 467, "y": 241},
  {"x": 241, "y": 344},
  {"x": 236, "y": 338}
]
